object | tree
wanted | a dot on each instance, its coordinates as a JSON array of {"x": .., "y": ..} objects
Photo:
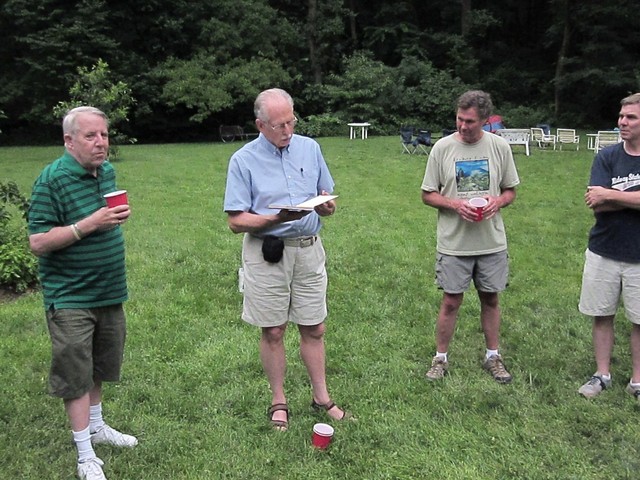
[
  {"x": 596, "y": 60},
  {"x": 53, "y": 41},
  {"x": 236, "y": 55},
  {"x": 207, "y": 86},
  {"x": 194, "y": 65},
  {"x": 564, "y": 22},
  {"x": 414, "y": 92},
  {"x": 94, "y": 87}
]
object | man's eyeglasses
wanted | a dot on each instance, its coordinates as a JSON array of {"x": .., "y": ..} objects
[{"x": 282, "y": 126}]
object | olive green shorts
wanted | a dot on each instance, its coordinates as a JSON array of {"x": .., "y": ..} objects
[
  {"x": 489, "y": 272},
  {"x": 86, "y": 344}
]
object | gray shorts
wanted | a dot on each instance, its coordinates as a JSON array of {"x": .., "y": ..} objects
[
  {"x": 488, "y": 272},
  {"x": 292, "y": 290},
  {"x": 605, "y": 283},
  {"x": 86, "y": 344}
]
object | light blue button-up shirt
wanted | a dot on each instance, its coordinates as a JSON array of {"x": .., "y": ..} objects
[{"x": 260, "y": 174}]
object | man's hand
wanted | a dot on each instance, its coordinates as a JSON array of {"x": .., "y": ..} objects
[
  {"x": 595, "y": 196},
  {"x": 107, "y": 218},
  {"x": 285, "y": 215},
  {"x": 327, "y": 208}
]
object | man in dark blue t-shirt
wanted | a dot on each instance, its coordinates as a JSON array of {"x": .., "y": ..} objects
[{"x": 612, "y": 263}]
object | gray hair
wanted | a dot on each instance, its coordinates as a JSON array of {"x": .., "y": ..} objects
[
  {"x": 261, "y": 99},
  {"x": 70, "y": 121},
  {"x": 477, "y": 99},
  {"x": 631, "y": 99}
]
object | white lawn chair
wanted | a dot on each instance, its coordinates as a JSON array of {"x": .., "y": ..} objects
[
  {"x": 567, "y": 136},
  {"x": 542, "y": 139},
  {"x": 604, "y": 138}
]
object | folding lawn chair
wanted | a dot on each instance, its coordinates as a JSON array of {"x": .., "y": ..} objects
[
  {"x": 406, "y": 136},
  {"x": 422, "y": 142}
]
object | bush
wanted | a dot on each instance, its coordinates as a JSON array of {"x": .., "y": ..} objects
[
  {"x": 521, "y": 116},
  {"x": 95, "y": 87},
  {"x": 325, "y": 125},
  {"x": 18, "y": 266},
  {"x": 369, "y": 91}
]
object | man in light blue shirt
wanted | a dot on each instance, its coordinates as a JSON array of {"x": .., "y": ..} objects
[{"x": 285, "y": 279}]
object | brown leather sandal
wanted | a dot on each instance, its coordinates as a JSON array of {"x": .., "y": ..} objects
[
  {"x": 328, "y": 406},
  {"x": 280, "y": 425}
]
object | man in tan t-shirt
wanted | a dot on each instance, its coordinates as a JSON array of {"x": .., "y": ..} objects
[{"x": 471, "y": 163}]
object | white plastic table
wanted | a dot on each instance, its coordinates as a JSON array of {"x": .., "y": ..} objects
[
  {"x": 591, "y": 141},
  {"x": 353, "y": 130}
]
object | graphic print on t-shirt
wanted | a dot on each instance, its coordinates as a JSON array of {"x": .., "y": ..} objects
[
  {"x": 630, "y": 182},
  {"x": 472, "y": 176}
]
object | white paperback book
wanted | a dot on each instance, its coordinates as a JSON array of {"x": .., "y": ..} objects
[{"x": 307, "y": 205}]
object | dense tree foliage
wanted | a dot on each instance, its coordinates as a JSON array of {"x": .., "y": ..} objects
[{"x": 193, "y": 65}]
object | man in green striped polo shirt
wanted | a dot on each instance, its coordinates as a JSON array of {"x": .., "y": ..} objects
[{"x": 81, "y": 257}]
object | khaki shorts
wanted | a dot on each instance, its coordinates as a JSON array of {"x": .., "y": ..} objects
[
  {"x": 292, "y": 290},
  {"x": 488, "y": 272},
  {"x": 605, "y": 282},
  {"x": 86, "y": 344}
]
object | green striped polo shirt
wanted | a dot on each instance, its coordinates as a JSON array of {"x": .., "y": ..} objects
[{"x": 88, "y": 273}]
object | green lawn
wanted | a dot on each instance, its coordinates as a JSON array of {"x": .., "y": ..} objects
[{"x": 193, "y": 390}]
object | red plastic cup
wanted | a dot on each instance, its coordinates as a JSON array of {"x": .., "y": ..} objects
[
  {"x": 479, "y": 204},
  {"x": 116, "y": 198},
  {"x": 322, "y": 435}
]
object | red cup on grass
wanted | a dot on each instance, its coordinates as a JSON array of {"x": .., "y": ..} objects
[
  {"x": 478, "y": 203},
  {"x": 322, "y": 435},
  {"x": 116, "y": 198}
]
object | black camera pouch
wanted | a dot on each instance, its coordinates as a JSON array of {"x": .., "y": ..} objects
[{"x": 272, "y": 248}]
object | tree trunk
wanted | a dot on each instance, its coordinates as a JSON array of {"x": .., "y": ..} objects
[
  {"x": 464, "y": 17},
  {"x": 352, "y": 23},
  {"x": 562, "y": 53},
  {"x": 312, "y": 19}
]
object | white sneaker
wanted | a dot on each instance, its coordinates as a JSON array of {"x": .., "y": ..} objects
[
  {"x": 91, "y": 469},
  {"x": 596, "y": 384},
  {"x": 113, "y": 437},
  {"x": 635, "y": 391}
]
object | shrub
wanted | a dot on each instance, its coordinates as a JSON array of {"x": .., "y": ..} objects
[
  {"x": 324, "y": 125},
  {"x": 18, "y": 266},
  {"x": 415, "y": 92},
  {"x": 521, "y": 116},
  {"x": 95, "y": 87}
]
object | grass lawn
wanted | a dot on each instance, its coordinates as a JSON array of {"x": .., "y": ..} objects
[{"x": 193, "y": 390}]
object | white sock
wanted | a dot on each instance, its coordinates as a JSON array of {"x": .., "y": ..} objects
[
  {"x": 83, "y": 444},
  {"x": 441, "y": 355},
  {"x": 605, "y": 377},
  {"x": 634, "y": 385},
  {"x": 95, "y": 418},
  {"x": 490, "y": 353}
]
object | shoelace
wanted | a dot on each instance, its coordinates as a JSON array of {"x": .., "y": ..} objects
[
  {"x": 497, "y": 367},
  {"x": 93, "y": 467},
  {"x": 597, "y": 381},
  {"x": 438, "y": 364}
]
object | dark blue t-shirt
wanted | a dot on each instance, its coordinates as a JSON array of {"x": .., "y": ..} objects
[{"x": 616, "y": 235}]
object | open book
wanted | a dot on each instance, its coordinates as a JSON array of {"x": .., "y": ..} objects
[{"x": 307, "y": 205}]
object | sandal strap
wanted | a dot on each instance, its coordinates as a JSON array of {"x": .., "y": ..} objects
[
  {"x": 276, "y": 407},
  {"x": 278, "y": 424},
  {"x": 324, "y": 406}
]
